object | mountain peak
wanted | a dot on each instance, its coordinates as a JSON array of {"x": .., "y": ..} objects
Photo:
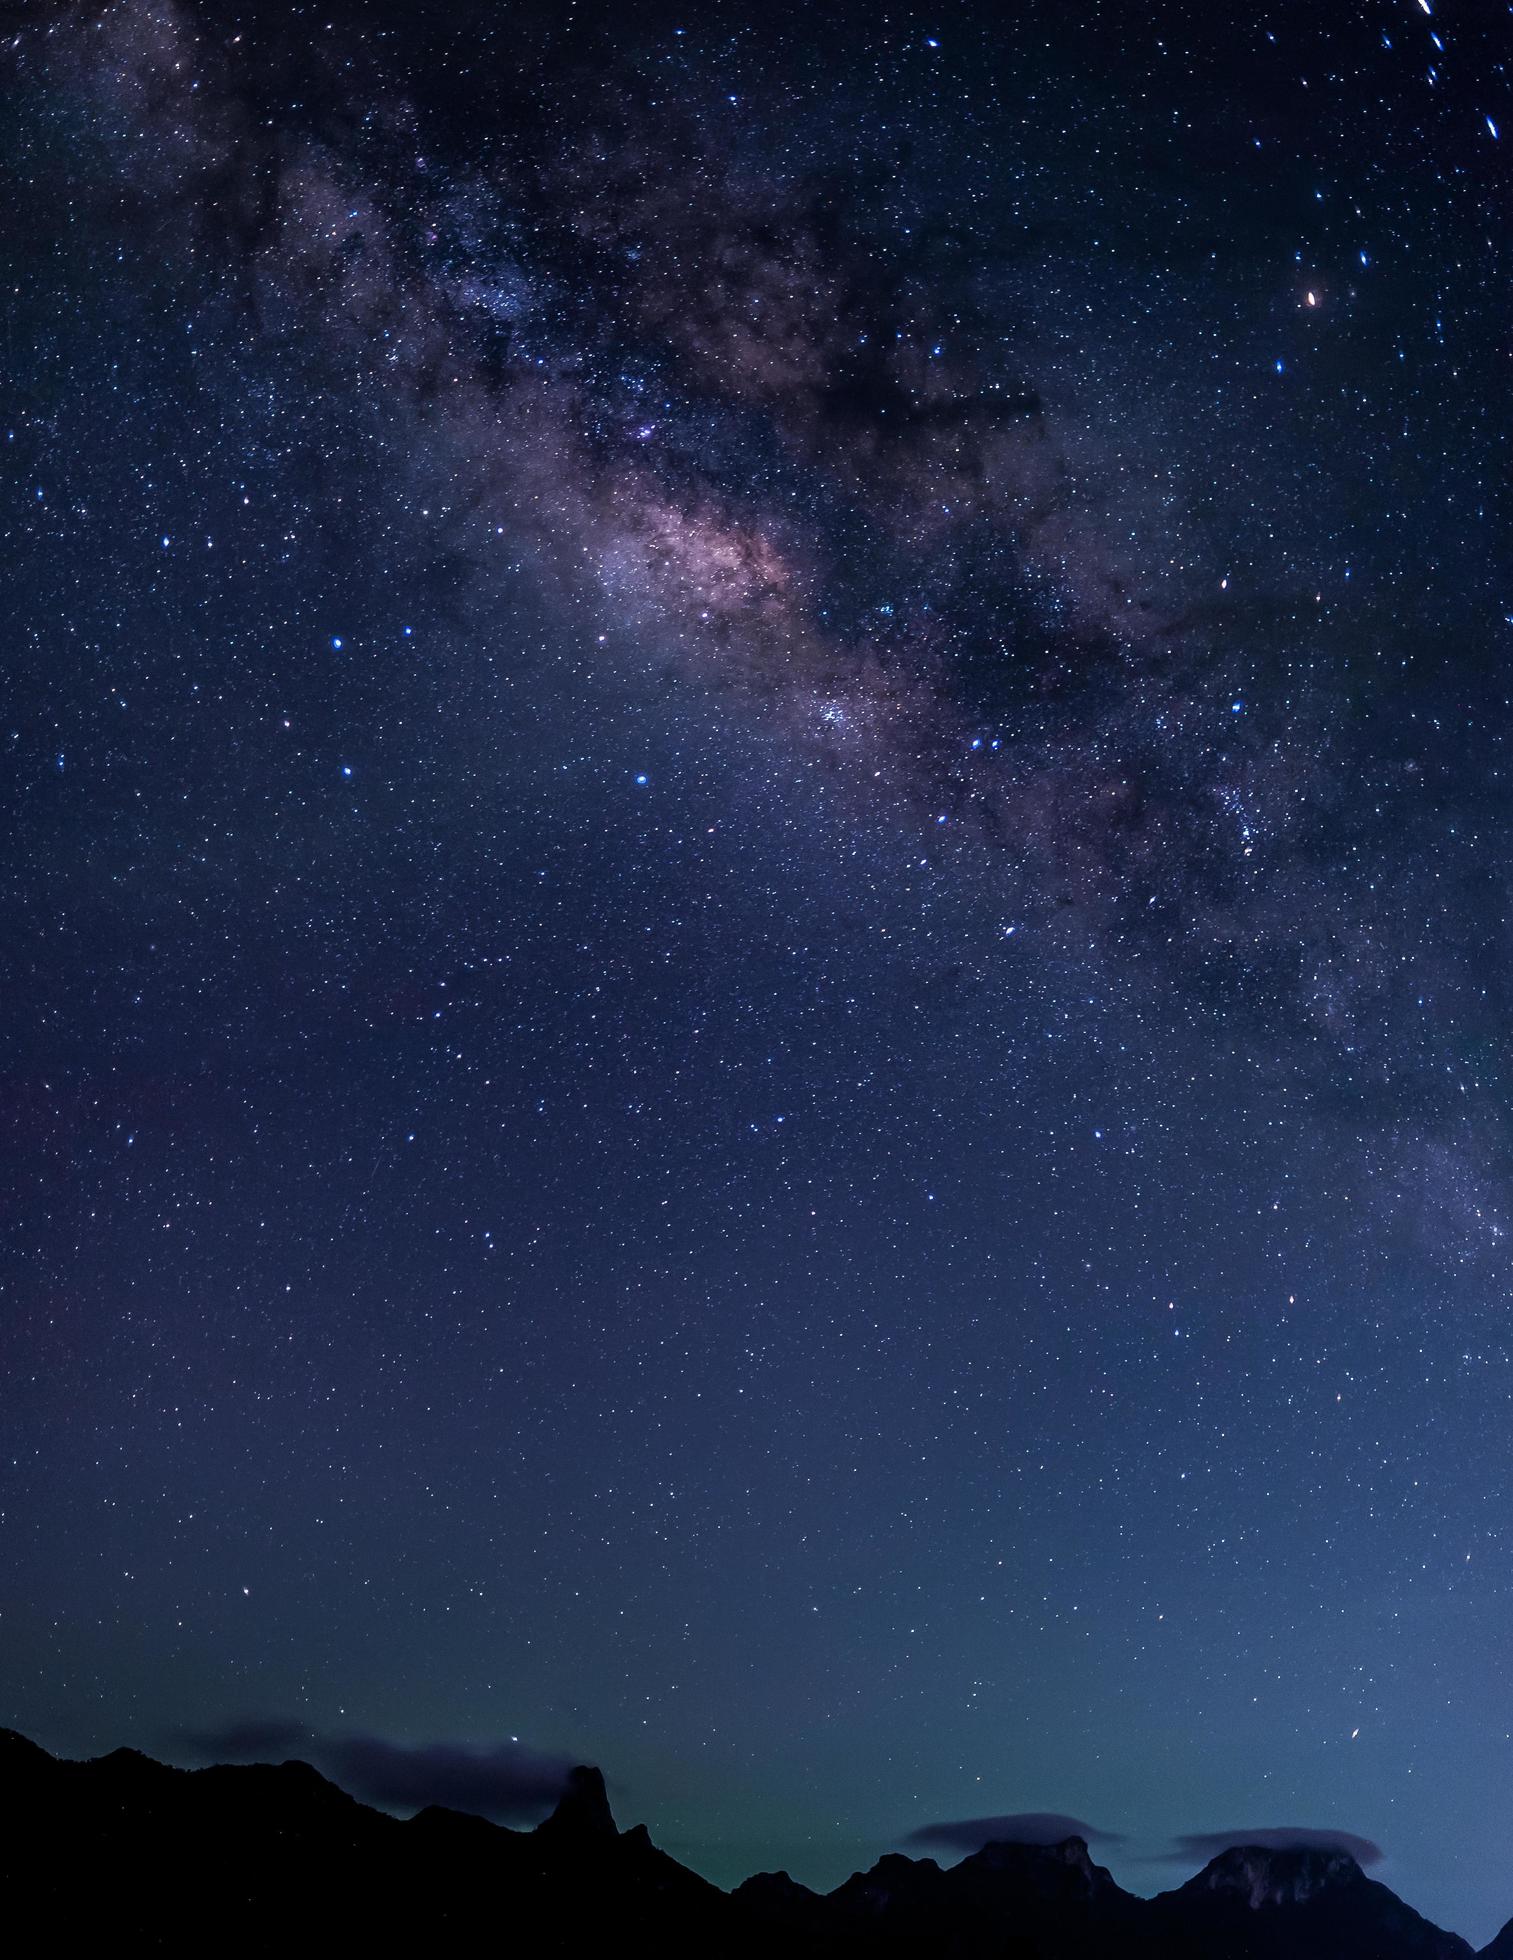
[
  {"x": 774, "y": 1885},
  {"x": 1265, "y": 1875},
  {"x": 1500, "y": 1948},
  {"x": 583, "y": 1809},
  {"x": 168, "y": 1850},
  {"x": 1072, "y": 1852}
]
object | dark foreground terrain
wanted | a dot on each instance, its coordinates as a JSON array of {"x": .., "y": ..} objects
[{"x": 253, "y": 1858}]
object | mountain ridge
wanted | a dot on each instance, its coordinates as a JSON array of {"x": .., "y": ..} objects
[{"x": 249, "y": 1854}]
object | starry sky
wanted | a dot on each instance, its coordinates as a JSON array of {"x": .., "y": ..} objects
[{"x": 757, "y": 964}]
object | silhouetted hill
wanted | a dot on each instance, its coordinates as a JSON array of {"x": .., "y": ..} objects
[
  {"x": 1258, "y": 1904},
  {"x": 256, "y": 1857},
  {"x": 1040, "y": 1899},
  {"x": 1500, "y": 1948},
  {"x": 1021, "y": 1902},
  {"x": 775, "y": 1901}
]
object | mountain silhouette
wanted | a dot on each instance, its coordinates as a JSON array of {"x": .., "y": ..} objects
[
  {"x": 252, "y": 1857},
  {"x": 1500, "y": 1948},
  {"x": 1283, "y": 1905}
]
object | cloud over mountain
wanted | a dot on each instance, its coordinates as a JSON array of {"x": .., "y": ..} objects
[
  {"x": 502, "y": 1781},
  {"x": 1284, "y": 1837},
  {"x": 1035, "y": 1827}
]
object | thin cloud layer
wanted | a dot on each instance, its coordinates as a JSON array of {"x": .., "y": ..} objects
[
  {"x": 1035, "y": 1827},
  {"x": 507, "y": 1781},
  {"x": 1204, "y": 1845},
  {"x": 253, "y": 1741}
]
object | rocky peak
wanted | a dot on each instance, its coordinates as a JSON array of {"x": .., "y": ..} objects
[
  {"x": 1264, "y": 1876},
  {"x": 777, "y": 1887},
  {"x": 1033, "y": 1877},
  {"x": 1072, "y": 1853},
  {"x": 583, "y": 1809}
]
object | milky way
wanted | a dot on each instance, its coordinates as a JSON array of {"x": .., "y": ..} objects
[
  {"x": 765, "y": 418},
  {"x": 757, "y": 811}
]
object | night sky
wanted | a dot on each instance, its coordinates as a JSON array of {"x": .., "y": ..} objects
[{"x": 757, "y": 1011}]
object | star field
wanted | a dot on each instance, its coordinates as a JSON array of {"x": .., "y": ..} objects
[{"x": 757, "y": 943}]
